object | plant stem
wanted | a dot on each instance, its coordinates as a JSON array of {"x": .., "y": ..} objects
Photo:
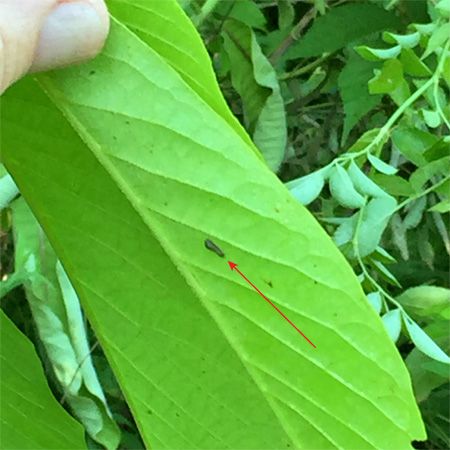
[
  {"x": 206, "y": 10},
  {"x": 305, "y": 69},
  {"x": 421, "y": 194},
  {"x": 293, "y": 36}
]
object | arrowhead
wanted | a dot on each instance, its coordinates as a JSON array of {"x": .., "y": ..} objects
[{"x": 232, "y": 265}]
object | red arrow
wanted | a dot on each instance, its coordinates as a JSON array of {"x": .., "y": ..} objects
[{"x": 233, "y": 266}]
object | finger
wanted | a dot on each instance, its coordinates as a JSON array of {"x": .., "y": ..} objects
[{"x": 43, "y": 34}]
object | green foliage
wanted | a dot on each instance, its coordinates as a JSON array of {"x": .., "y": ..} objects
[
  {"x": 59, "y": 322},
  {"x": 255, "y": 348},
  {"x": 340, "y": 27},
  {"x": 131, "y": 161},
  {"x": 255, "y": 80},
  {"x": 356, "y": 98}
]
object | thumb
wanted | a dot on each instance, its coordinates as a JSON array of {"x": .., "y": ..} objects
[{"x": 39, "y": 35}]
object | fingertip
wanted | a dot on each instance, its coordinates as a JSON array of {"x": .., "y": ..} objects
[{"x": 73, "y": 32}]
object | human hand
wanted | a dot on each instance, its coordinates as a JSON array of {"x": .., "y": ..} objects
[{"x": 38, "y": 35}]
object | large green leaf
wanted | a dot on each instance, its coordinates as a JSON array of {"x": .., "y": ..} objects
[
  {"x": 164, "y": 26},
  {"x": 31, "y": 418},
  {"x": 129, "y": 177}
]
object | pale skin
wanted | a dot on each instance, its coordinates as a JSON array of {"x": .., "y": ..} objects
[{"x": 38, "y": 35}]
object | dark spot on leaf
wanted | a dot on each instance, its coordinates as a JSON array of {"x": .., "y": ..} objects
[
  {"x": 149, "y": 411},
  {"x": 92, "y": 72},
  {"x": 269, "y": 283},
  {"x": 127, "y": 122},
  {"x": 214, "y": 248},
  {"x": 177, "y": 414}
]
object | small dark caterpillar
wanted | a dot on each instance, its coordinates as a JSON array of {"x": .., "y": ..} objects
[{"x": 214, "y": 248}]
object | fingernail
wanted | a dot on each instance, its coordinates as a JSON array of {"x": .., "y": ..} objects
[{"x": 71, "y": 33}]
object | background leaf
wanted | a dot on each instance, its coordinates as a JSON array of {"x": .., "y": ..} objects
[
  {"x": 376, "y": 216},
  {"x": 381, "y": 166},
  {"x": 342, "y": 189},
  {"x": 426, "y": 302},
  {"x": 363, "y": 183},
  {"x": 393, "y": 322},
  {"x": 354, "y": 20},
  {"x": 354, "y": 91},
  {"x": 306, "y": 189},
  {"x": 423, "y": 342},
  {"x": 256, "y": 82}
]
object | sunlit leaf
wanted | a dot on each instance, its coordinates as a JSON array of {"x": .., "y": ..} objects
[
  {"x": 363, "y": 183},
  {"x": 437, "y": 38},
  {"x": 306, "y": 189},
  {"x": 393, "y": 323},
  {"x": 381, "y": 166},
  {"x": 376, "y": 215},
  {"x": 405, "y": 40},
  {"x": 441, "y": 207},
  {"x": 412, "y": 65},
  {"x": 426, "y": 302},
  {"x": 375, "y": 300},
  {"x": 342, "y": 189},
  {"x": 388, "y": 78},
  {"x": 432, "y": 118},
  {"x": 8, "y": 190},
  {"x": 423, "y": 342},
  {"x": 428, "y": 374},
  {"x": 378, "y": 54}
]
